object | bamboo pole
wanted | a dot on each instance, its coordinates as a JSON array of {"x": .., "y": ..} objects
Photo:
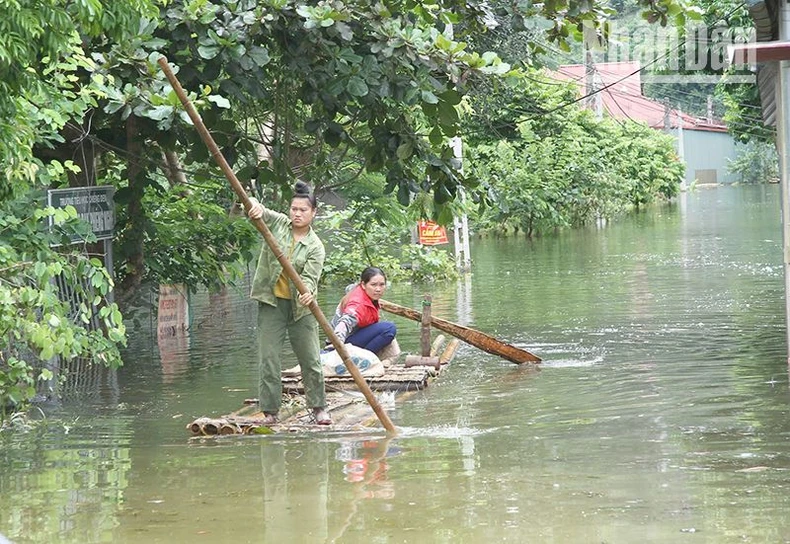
[
  {"x": 476, "y": 338},
  {"x": 290, "y": 271}
]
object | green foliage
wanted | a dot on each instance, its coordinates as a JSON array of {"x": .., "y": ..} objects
[
  {"x": 343, "y": 87},
  {"x": 37, "y": 118},
  {"x": 356, "y": 237},
  {"x": 565, "y": 169},
  {"x": 371, "y": 81},
  {"x": 743, "y": 116},
  {"x": 41, "y": 96},
  {"x": 40, "y": 52},
  {"x": 36, "y": 322},
  {"x": 568, "y": 20},
  {"x": 429, "y": 263},
  {"x": 192, "y": 240},
  {"x": 756, "y": 162}
]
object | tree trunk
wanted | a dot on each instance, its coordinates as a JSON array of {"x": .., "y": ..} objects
[
  {"x": 136, "y": 220},
  {"x": 173, "y": 170}
]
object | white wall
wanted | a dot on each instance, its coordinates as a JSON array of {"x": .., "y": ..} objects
[{"x": 705, "y": 150}]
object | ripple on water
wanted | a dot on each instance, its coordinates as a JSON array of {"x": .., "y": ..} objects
[
  {"x": 442, "y": 431},
  {"x": 570, "y": 363}
]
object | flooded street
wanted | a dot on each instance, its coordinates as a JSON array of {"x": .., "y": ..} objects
[{"x": 660, "y": 413}]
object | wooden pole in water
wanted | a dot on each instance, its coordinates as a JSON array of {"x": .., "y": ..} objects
[
  {"x": 427, "y": 358},
  {"x": 290, "y": 271},
  {"x": 425, "y": 326},
  {"x": 476, "y": 338}
]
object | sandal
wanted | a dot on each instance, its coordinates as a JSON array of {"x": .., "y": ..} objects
[
  {"x": 321, "y": 417},
  {"x": 269, "y": 419}
]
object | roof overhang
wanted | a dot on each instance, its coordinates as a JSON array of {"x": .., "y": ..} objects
[{"x": 752, "y": 53}]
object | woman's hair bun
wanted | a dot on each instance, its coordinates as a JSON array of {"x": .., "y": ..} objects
[{"x": 301, "y": 188}]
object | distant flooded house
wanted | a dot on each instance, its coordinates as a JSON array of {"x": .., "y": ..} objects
[{"x": 702, "y": 143}]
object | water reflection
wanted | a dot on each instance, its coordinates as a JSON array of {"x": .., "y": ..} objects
[
  {"x": 295, "y": 492},
  {"x": 173, "y": 355},
  {"x": 78, "y": 477}
]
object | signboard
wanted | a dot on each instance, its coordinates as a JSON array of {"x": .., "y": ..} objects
[
  {"x": 431, "y": 234},
  {"x": 94, "y": 205},
  {"x": 173, "y": 315},
  {"x": 172, "y": 330}
]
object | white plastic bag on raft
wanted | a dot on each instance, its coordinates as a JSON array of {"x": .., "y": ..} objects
[{"x": 366, "y": 361}]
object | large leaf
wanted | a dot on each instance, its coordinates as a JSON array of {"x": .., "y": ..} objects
[{"x": 357, "y": 86}]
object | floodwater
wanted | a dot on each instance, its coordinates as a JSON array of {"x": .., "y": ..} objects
[{"x": 660, "y": 413}]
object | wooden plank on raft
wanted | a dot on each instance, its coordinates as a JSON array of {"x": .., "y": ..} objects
[{"x": 397, "y": 378}]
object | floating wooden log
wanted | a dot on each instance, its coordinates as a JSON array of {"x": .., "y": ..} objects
[
  {"x": 197, "y": 426},
  {"x": 438, "y": 342},
  {"x": 212, "y": 426},
  {"x": 229, "y": 428},
  {"x": 419, "y": 360},
  {"x": 476, "y": 338}
]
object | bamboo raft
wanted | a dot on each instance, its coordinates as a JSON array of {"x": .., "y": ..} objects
[
  {"x": 347, "y": 406},
  {"x": 349, "y": 411}
]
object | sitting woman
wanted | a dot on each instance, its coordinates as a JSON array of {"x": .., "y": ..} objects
[{"x": 356, "y": 319}]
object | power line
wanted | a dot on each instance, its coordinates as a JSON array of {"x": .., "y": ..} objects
[{"x": 642, "y": 68}]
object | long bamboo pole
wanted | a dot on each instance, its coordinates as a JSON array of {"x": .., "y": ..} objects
[
  {"x": 290, "y": 271},
  {"x": 476, "y": 338}
]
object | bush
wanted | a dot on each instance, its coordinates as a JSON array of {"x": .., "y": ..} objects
[
  {"x": 756, "y": 162},
  {"x": 355, "y": 239}
]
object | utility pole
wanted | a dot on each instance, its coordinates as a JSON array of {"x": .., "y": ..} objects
[
  {"x": 598, "y": 97},
  {"x": 681, "y": 146},
  {"x": 783, "y": 137},
  {"x": 463, "y": 259},
  {"x": 589, "y": 79}
]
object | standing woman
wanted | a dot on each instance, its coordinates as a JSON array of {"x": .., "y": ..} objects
[
  {"x": 356, "y": 319},
  {"x": 278, "y": 311}
]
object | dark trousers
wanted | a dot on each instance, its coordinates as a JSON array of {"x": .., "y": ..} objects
[
  {"x": 274, "y": 324},
  {"x": 374, "y": 337}
]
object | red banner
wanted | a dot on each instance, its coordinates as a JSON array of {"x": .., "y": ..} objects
[{"x": 431, "y": 234}]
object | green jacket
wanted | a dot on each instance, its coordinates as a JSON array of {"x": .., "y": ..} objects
[{"x": 307, "y": 259}]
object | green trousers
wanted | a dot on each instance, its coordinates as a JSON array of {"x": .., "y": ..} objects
[{"x": 274, "y": 322}]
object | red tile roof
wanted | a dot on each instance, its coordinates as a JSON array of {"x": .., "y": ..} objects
[{"x": 622, "y": 96}]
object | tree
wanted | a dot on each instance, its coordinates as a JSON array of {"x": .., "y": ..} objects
[
  {"x": 40, "y": 57},
  {"x": 288, "y": 90},
  {"x": 39, "y": 54},
  {"x": 550, "y": 164}
]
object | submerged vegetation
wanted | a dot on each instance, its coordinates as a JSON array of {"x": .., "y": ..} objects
[{"x": 564, "y": 168}]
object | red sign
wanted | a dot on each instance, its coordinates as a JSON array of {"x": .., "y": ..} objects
[{"x": 431, "y": 234}]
